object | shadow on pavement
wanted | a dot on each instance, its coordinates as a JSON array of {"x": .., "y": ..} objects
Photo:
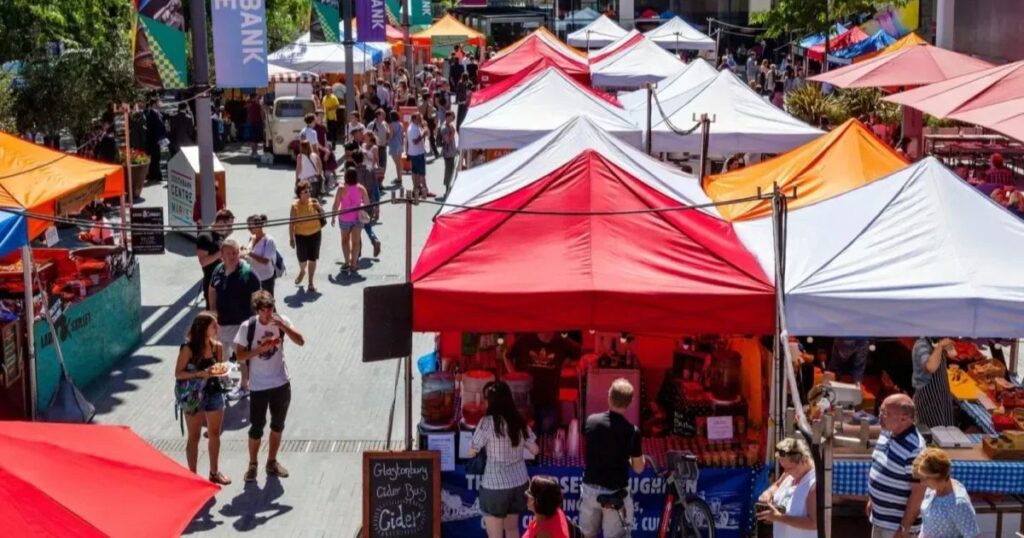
[
  {"x": 182, "y": 246},
  {"x": 176, "y": 334},
  {"x": 251, "y": 505},
  {"x": 301, "y": 296},
  {"x": 236, "y": 415},
  {"x": 343, "y": 279},
  {"x": 123, "y": 378},
  {"x": 204, "y": 519}
]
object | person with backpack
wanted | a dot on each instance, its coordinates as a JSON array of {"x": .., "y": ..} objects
[
  {"x": 199, "y": 393},
  {"x": 260, "y": 343},
  {"x": 262, "y": 253},
  {"x": 231, "y": 288}
]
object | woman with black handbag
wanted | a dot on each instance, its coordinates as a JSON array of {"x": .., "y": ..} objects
[{"x": 503, "y": 434}]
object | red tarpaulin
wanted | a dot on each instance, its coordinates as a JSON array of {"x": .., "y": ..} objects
[
  {"x": 674, "y": 272},
  {"x": 841, "y": 41},
  {"x": 623, "y": 43},
  {"x": 527, "y": 74},
  {"x": 525, "y": 56},
  {"x": 92, "y": 481}
]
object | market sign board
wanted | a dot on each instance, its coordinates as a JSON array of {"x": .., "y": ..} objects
[
  {"x": 147, "y": 230},
  {"x": 240, "y": 43},
  {"x": 441, "y": 46},
  {"x": 401, "y": 494},
  {"x": 73, "y": 202}
]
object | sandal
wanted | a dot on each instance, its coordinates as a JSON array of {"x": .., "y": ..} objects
[
  {"x": 298, "y": 279},
  {"x": 220, "y": 478},
  {"x": 250, "y": 473}
]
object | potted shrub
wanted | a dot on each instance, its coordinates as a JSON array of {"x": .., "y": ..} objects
[{"x": 139, "y": 166}]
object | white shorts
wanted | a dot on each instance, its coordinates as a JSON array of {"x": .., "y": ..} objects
[
  {"x": 226, "y": 336},
  {"x": 594, "y": 518}
]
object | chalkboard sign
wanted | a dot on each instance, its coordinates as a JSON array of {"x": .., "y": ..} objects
[
  {"x": 401, "y": 495},
  {"x": 147, "y": 230}
]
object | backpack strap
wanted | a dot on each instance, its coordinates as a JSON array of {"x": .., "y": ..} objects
[{"x": 250, "y": 331}]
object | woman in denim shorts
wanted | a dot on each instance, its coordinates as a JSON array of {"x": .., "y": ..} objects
[
  {"x": 196, "y": 360},
  {"x": 348, "y": 203}
]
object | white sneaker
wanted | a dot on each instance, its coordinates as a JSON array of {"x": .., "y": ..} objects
[{"x": 238, "y": 394}]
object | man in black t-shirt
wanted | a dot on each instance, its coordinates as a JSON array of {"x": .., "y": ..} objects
[
  {"x": 208, "y": 245},
  {"x": 612, "y": 448},
  {"x": 542, "y": 355}
]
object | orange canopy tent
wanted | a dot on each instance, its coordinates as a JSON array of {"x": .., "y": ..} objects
[
  {"x": 49, "y": 182},
  {"x": 447, "y": 26},
  {"x": 842, "y": 160}
]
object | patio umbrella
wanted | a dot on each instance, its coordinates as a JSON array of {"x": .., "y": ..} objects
[
  {"x": 993, "y": 98},
  {"x": 909, "y": 66},
  {"x": 92, "y": 481}
]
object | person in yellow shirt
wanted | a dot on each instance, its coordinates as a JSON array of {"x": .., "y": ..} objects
[{"x": 331, "y": 105}]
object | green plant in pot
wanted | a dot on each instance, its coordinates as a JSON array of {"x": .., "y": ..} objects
[{"x": 139, "y": 162}]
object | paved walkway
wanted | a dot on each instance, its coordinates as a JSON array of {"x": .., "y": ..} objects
[{"x": 339, "y": 405}]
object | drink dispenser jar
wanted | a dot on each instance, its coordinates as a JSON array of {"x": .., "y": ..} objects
[
  {"x": 438, "y": 400},
  {"x": 474, "y": 406}
]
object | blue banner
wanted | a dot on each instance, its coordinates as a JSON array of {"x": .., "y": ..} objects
[
  {"x": 240, "y": 43},
  {"x": 729, "y": 492}
]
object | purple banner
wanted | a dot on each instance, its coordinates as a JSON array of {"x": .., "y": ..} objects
[{"x": 371, "y": 21}]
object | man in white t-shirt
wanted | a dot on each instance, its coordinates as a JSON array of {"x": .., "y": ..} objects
[
  {"x": 308, "y": 133},
  {"x": 260, "y": 341},
  {"x": 417, "y": 152}
]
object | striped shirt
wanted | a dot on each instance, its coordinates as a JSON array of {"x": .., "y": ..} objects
[{"x": 891, "y": 478}]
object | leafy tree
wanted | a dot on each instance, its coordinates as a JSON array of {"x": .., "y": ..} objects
[
  {"x": 286, "y": 20},
  {"x": 7, "y": 118},
  {"x": 814, "y": 16}
]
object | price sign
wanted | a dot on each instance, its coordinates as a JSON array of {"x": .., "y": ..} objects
[
  {"x": 147, "y": 230},
  {"x": 401, "y": 494},
  {"x": 720, "y": 428}
]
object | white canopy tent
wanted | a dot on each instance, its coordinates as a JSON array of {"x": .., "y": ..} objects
[
  {"x": 692, "y": 75},
  {"x": 600, "y": 33},
  {"x": 319, "y": 58},
  {"x": 536, "y": 107},
  {"x": 919, "y": 252},
  {"x": 743, "y": 121},
  {"x": 634, "y": 65},
  {"x": 676, "y": 34},
  {"x": 499, "y": 178}
]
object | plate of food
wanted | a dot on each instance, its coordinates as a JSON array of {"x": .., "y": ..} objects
[{"x": 220, "y": 369}]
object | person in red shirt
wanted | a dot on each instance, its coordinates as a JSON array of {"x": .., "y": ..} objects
[
  {"x": 544, "y": 499},
  {"x": 998, "y": 173}
]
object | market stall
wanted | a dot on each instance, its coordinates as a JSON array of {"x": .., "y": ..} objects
[
  {"x": 97, "y": 299},
  {"x": 743, "y": 122},
  {"x": 676, "y": 34},
  {"x": 446, "y": 32},
  {"x": 544, "y": 35},
  {"x": 599, "y": 33},
  {"x": 850, "y": 37},
  {"x": 633, "y": 65},
  {"x": 681, "y": 273},
  {"x": 526, "y": 54},
  {"x": 320, "y": 58},
  {"x": 690, "y": 76},
  {"x": 551, "y": 98}
]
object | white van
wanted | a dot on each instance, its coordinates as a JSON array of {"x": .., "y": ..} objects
[{"x": 284, "y": 118}]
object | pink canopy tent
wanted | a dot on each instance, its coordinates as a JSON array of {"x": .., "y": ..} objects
[
  {"x": 992, "y": 98},
  {"x": 909, "y": 66}
]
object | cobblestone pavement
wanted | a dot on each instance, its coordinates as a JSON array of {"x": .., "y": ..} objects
[{"x": 340, "y": 406}]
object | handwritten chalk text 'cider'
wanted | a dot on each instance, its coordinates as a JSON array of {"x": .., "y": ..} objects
[{"x": 399, "y": 519}]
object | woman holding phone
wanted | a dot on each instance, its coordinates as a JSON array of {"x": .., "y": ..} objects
[{"x": 790, "y": 503}]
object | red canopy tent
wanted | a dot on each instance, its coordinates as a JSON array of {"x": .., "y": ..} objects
[
  {"x": 526, "y": 55},
  {"x": 841, "y": 41},
  {"x": 623, "y": 43},
  {"x": 909, "y": 66},
  {"x": 671, "y": 272},
  {"x": 92, "y": 481},
  {"x": 538, "y": 67}
]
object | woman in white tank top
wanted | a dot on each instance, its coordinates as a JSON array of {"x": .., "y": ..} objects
[{"x": 792, "y": 504}]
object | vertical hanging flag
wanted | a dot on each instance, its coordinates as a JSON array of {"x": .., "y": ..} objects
[
  {"x": 324, "y": 19},
  {"x": 419, "y": 13},
  {"x": 371, "y": 20},
  {"x": 240, "y": 43},
  {"x": 394, "y": 9},
  {"x": 158, "y": 44}
]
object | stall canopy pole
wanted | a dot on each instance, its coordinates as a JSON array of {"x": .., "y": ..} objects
[
  {"x": 204, "y": 121},
  {"x": 705, "y": 136},
  {"x": 778, "y": 224},
  {"x": 407, "y": 37},
  {"x": 29, "y": 316},
  {"x": 650, "y": 96},
  {"x": 129, "y": 190},
  {"x": 408, "y": 358},
  {"x": 350, "y": 77}
]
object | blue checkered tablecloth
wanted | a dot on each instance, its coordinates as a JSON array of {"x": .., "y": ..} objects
[
  {"x": 851, "y": 477},
  {"x": 979, "y": 415}
]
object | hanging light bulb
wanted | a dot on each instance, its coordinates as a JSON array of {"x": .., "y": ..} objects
[
  {"x": 565, "y": 335},
  {"x": 592, "y": 331},
  {"x": 810, "y": 339},
  {"x": 501, "y": 341},
  {"x": 872, "y": 347}
]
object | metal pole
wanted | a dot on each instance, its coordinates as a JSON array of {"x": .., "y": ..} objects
[
  {"x": 350, "y": 89},
  {"x": 408, "y": 42},
  {"x": 129, "y": 189},
  {"x": 204, "y": 121},
  {"x": 29, "y": 316},
  {"x": 828, "y": 37},
  {"x": 408, "y": 359},
  {"x": 705, "y": 134},
  {"x": 777, "y": 343},
  {"x": 650, "y": 96}
]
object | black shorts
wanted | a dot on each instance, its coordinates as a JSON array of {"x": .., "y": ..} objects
[
  {"x": 276, "y": 400},
  {"x": 503, "y": 502},
  {"x": 307, "y": 247}
]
